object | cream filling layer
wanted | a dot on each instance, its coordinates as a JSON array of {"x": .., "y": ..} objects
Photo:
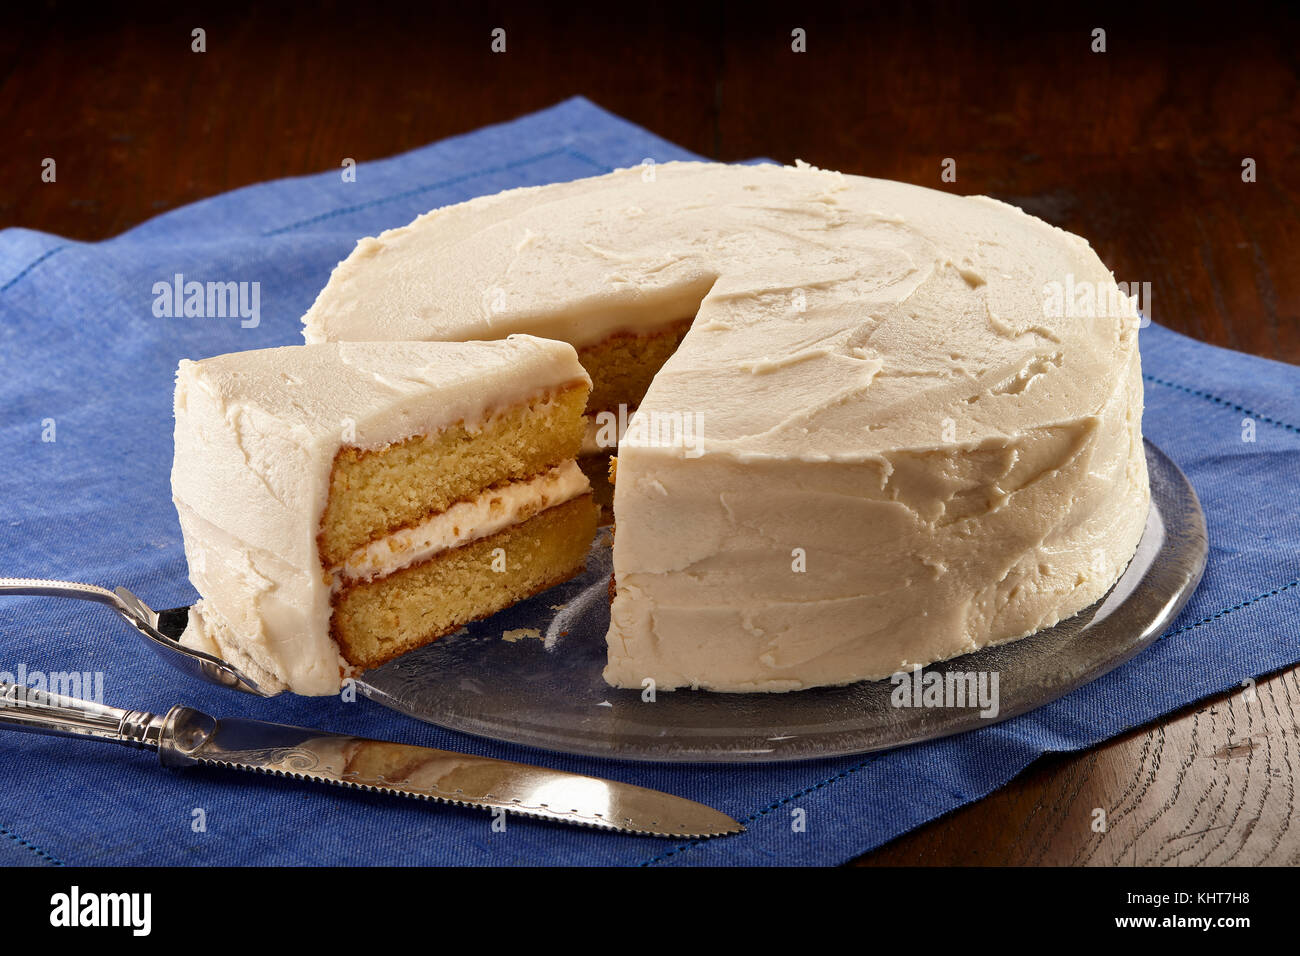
[{"x": 465, "y": 521}]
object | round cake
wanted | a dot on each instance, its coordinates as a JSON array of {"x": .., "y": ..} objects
[{"x": 868, "y": 426}]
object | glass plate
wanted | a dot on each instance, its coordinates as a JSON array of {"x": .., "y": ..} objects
[{"x": 544, "y": 688}]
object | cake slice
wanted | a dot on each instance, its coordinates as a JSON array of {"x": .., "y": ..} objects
[{"x": 345, "y": 503}]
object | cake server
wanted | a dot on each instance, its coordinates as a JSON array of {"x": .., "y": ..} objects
[
  {"x": 161, "y": 629},
  {"x": 185, "y": 738}
]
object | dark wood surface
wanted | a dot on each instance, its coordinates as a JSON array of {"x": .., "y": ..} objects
[{"x": 1140, "y": 149}]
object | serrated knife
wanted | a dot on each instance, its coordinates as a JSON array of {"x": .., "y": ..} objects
[{"x": 186, "y": 738}]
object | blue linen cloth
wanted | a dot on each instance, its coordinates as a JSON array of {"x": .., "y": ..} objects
[{"x": 85, "y": 360}]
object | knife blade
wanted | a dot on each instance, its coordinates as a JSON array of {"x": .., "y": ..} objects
[{"x": 184, "y": 737}]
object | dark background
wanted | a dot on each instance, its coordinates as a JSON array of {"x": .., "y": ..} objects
[{"x": 1139, "y": 149}]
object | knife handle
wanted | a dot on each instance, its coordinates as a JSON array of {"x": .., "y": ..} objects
[{"x": 40, "y": 712}]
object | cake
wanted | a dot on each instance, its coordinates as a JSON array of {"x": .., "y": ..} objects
[
  {"x": 344, "y": 503},
  {"x": 899, "y": 425}
]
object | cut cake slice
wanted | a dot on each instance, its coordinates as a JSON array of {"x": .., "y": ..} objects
[{"x": 344, "y": 503}]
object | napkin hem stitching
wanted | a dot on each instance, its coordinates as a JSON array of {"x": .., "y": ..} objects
[
  {"x": 1224, "y": 612},
  {"x": 429, "y": 187},
  {"x": 1222, "y": 401},
  {"x": 775, "y": 805},
  {"x": 32, "y": 265},
  {"x": 40, "y": 853}
]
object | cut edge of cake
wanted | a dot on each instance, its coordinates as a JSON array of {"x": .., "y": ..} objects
[{"x": 461, "y": 460}]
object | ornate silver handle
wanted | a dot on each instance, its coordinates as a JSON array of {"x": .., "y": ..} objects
[{"x": 40, "y": 712}]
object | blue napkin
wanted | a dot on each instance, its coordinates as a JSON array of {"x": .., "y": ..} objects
[{"x": 86, "y": 368}]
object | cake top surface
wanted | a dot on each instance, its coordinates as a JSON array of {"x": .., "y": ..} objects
[
  {"x": 384, "y": 391},
  {"x": 837, "y": 317}
]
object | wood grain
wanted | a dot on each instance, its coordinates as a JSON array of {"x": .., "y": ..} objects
[
  {"x": 1214, "y": 785},
  {"x": 1139, "y": 149}
]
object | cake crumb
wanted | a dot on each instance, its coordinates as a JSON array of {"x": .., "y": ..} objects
[{"x": 520, "y": 633}]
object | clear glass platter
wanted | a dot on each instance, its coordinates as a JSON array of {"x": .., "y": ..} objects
[{"x": 532, "y": 674}]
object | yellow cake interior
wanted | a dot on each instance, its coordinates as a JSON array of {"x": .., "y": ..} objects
[
  {"x": 373, "y": 493},
  {"x": 375, "y": 621},
  {"x": 621, "y": 367},
  {"x": 427, "y": 534}
]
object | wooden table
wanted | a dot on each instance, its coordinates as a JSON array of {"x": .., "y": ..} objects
[{"x": 1140, "y": 148}]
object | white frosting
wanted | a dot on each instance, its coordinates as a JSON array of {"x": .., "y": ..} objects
[
  {"x": 256, "y": 435},
  {"x": 902, "y": 453},
  {"x": 465, "y": 521}
]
